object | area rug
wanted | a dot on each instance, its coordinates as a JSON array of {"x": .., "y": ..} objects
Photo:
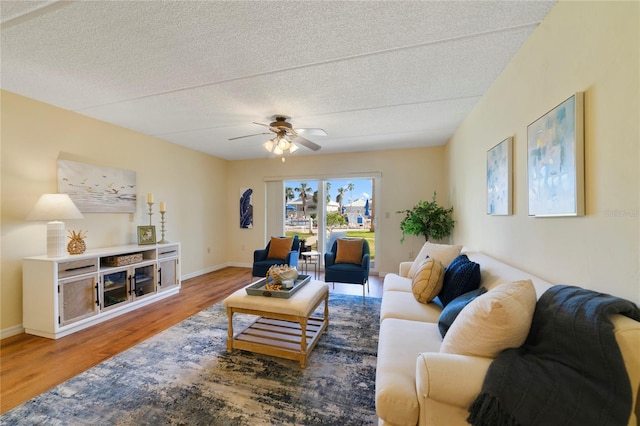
[{"x": 184, "y": 376}]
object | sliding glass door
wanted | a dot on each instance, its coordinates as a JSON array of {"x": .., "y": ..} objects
[{"x": 321, "y": 210}]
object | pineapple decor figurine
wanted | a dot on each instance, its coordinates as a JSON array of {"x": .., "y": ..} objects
[{"x": 77, "y": 244}]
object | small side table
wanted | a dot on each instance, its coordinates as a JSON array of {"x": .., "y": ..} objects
[{"x": 311, "y": 258}]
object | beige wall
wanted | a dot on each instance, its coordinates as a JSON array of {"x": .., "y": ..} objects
[
  {"x": 407, "y": 176},
  {"x": 581, "y": 46},
  {"x": 201, "y": 191},
  {"x": 34, "y": 135}
]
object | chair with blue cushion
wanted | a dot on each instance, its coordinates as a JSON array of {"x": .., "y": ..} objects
[
  {"x": 348, "y": 262},
  {"x": 279, "y": 251}
]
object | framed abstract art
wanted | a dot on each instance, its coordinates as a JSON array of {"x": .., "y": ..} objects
[
  {"x": 500, "y": 178},
  {"x": 246, "y": 208},
  {"x": 555, "y": 160}
]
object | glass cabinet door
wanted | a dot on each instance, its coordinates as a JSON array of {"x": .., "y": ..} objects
[
  {"x": 143, "y": 282},
  {"x": 114, "y": 289}
]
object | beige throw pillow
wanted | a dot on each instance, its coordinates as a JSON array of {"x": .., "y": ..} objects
[
  {"x": 445, "y": 253},
  {"x": 349, "y": 251},
  {"x": 427, "y": 282},
  {"x": 494, "y": 321},
  {"x": 279, "y": 247}
]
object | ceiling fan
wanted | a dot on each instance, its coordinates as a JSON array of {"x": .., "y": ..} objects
[{"x": 286, "y": 136}]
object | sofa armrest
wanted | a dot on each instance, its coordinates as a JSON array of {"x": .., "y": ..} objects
[
  {"x": 366, "y": 260},
  {"x": 260, "y": 255},
  {"x": 292, "y": 259},
  {"x": 449, "y": 379},
  {"x": 329, "y": 258},
  {"x": 404, "y": 269}
]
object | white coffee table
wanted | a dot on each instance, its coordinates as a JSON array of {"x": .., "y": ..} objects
[{"x": 285, "y": 327}]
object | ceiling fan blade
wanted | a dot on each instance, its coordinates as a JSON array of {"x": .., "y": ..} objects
[
  {"x": 307, "y": 143},
  {"x": 290, "y": 131},
  {"x": 248, "y": 136},
  {"x": 261, "y": 124},
  {"x": 311, "y": 132}
]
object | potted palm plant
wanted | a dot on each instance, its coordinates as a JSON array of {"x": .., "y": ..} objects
[{"x": 428, "y": 219}]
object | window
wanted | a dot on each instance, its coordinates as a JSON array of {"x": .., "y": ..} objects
[{"x": 321, "y": 210}]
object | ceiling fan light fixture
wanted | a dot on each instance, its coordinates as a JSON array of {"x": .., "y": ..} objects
[
  {"x": 269, "y": 145},
  {"x": 283, "y": 143}
]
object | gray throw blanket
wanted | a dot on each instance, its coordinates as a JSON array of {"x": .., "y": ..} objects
[{"x": 569, "y": 371}]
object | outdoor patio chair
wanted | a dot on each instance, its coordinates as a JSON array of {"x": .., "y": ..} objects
[
  {"x": 278, "y": 255},
  {"x": 348, "y": 262}
]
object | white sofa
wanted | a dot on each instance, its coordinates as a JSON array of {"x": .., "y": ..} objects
[{"x": 416, "y": 384}]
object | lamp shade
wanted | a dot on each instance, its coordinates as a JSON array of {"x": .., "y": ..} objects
[{"x": 54, "y": 207}]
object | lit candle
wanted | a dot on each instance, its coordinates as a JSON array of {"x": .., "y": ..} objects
[
  {"x": 149, "y": 197},
  {"x": 163, "y": 207}
]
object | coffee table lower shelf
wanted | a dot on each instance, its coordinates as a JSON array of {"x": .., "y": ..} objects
[
  {"x": 285, "y": 328},
  {"x": 280, "y": 338}
]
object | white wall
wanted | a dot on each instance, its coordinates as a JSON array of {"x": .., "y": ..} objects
[{"x": 581, "y": 46}]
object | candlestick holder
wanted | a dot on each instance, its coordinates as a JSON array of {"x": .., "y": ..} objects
[
  {"x": 162, "y": 241},
  {"x": 150, "y": 212}
]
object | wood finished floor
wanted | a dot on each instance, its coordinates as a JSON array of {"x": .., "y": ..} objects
[{"x": 30, "y": 365}]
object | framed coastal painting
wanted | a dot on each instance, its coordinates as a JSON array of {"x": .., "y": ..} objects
[
  {"x": 500, "y": 178},
  {"x": 555, "y": 160},
  {"x": 97, "y": 189}
]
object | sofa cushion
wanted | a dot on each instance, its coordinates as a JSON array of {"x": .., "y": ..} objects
[
  {"x": 453, "y": 309},
  {"x": 494, "y": 272},
  {"x": 402, "y": 305},
  {"x": 460, "y": 277},
  {"x": 279, "y": 247},
  {"x": 427, "y": 281},
  {"x": 398, "y": 349},
  {"x": 395, "y": 282},
  {"x": 492, "y": 322},
  {"x": 349, "y": 251},
  {"x": 445, "y": 253}
]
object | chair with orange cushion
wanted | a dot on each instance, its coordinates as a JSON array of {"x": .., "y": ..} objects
[
  {"x": 279, "y": 251},
  {"x": 348, "y": 262}
]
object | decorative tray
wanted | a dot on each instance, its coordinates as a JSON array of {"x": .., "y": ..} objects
[{"x": 258, "y": 288}]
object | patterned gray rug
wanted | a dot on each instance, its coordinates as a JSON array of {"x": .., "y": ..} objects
[{"x": 184, "y": 376}]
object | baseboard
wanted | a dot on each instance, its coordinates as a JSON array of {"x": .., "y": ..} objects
[
  {"x": 250, "y": 265},
  {"x": 240, "y": 265},
  {"x": 213, "y": 269},
  {"x": 11, "y": 331}
]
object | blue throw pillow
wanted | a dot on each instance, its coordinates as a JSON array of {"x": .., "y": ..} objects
[
  {"x": 460, "y": 277},
  {"x": 451, "y": 311}
]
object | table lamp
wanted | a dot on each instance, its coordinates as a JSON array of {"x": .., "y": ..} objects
[{"x": 55, "y": 208}]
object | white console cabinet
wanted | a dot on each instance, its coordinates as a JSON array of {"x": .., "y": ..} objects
[{"x": 61, "y": 295}]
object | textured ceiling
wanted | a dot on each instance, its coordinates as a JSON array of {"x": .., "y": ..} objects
[{"x": 374, "y": 75}]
